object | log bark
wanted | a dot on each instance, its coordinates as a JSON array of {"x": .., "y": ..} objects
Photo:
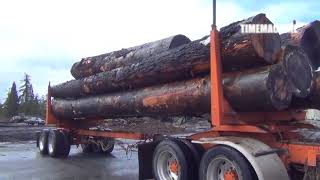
[
  {"x": 261, "y": 90},
  {"x": 313, "y": 100},
  {"x": 186, "y": 97},
  {"x": 243, "y": 50},
  {"x": 308, "y": 38},
  {"x": 239, "y": 50},
  {"x": 106, "y": 62},
  {"x": 298, "y": 69},
  {"x": 180, "y": 63}
]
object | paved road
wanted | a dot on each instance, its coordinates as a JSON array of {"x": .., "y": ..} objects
[{"x": 22, "y": 161}]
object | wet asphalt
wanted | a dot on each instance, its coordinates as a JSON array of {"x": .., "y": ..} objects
[{"x": 21, "y": 160}]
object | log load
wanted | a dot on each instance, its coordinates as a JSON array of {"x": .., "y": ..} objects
[
  {"x": 180, "y": 63},
  {"x": 308, "y": 38},
  {"x": 265, "y": 89},
  {"x": 239, "y": 50},
  {"x": 298, "y": 69},
  {"x": 313, "y": 100},
  {"x": 106, "y": 62}
]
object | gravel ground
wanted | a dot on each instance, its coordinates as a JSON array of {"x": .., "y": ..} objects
[{"x": 14, "y": 132}]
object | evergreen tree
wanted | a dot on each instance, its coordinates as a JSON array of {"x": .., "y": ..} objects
[
  {"x": 26, "y": 90},
  {"x": 27, "y": 98},
  {"x": 1, "y": 110},
  {"x": 42, "y": 106},
  {"x": 11, "y": 104}
]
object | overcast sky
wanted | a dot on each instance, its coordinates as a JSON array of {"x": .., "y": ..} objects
[{"x": 45, "y": 37}]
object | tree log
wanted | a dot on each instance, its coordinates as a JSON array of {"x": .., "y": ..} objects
[
  {"x": 106, "y": 62},
  {"x": 180, "y": 63},
  {"x": 298, "y": 69},
  {"x": 308, "y": 38},
  {"x": 243, "y": 50},
  {"x": 239, "y": 50},
  {"x": 260, "y": 90}
]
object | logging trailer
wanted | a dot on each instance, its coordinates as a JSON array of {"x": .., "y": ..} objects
[{"x": 239, "y": 146}]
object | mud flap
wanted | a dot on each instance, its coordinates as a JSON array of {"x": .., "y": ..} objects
[
  {"x": 37, "y": 137},
  {"x": 145, "y": 156}
]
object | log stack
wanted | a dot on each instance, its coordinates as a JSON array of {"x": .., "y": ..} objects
[{"x": 171, "y": 77}]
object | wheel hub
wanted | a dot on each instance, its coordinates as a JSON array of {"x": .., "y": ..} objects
[
  {"x": 168, "y": 166},
  {"x": 222, "y": 168},
  {"x": 41, "y": 146},
  {"x": 174, "y": 167},
  {"x": 230, "y": 175}
]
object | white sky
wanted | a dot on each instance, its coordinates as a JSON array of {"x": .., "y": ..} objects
[{"x": 44, "y": 38}]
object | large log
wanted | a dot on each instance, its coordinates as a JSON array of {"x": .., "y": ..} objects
[
  {"x": 262, "y": 89},
  {"x": 177, "y": 64},
  {"x": 243, "y": 50},
  {"x": 298, "y": 69},
  {"x": 106, "y": 62},
  {"x": 180, "y": 63},
  {"x": 265, "y": 89},
  {"x": 308, "y": 38},
  {"x": 239, "y": 50}
]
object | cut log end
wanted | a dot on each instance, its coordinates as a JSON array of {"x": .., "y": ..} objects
[
  {"x": 298, "y": 69},
  {"x": 311, "y": 42},
  {"x": 308, "y": 38},
  {"x": 178, "y": 40}
]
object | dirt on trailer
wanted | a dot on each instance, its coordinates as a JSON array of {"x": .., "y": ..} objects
[{"x": 151, "y": 125}]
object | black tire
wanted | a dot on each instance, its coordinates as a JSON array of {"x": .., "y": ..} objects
[
  {"x": 109, "y": 144},
  {"x": 86, "y": 148},
  {"x": 96, "y": 148},
  {"x": 55, "y": 143},
  {"x": 193, "y": 154},
  {"x": 66, "y": 143},
  {"x": 243, "y": 168},
  {"x": 43, "y": 142},
  {"x": 174, "y": 148}
]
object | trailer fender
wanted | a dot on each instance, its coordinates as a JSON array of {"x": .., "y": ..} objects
[{"x": 264, "y": 160}]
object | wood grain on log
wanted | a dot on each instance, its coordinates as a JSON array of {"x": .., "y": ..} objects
[
  {"x": 313, "y": 100},
  {"x": 265, "y": 89},
  {"x": 298, "y": 69},
  {"x": 308, "y": 38},
  {"x": 180, "y": 63},
  {"x": 106, "y": 62}
]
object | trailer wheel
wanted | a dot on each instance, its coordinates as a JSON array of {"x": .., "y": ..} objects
[
  {"x": 222, "y": 162},
  {"x": 66, "y": 143},
  {"x": 86, "y": 148},
  {"x": 107, "y": 145},
  {"x": 43, "y": 142},
  {"x": 193, "y": 153},
  {"x": 169, "y": 162},
  {"x": 96, "y": 147},
  {"x": 55, "y": 143}
]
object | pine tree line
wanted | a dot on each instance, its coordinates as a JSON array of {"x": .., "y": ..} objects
[{"x": 23, "y": 102}]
